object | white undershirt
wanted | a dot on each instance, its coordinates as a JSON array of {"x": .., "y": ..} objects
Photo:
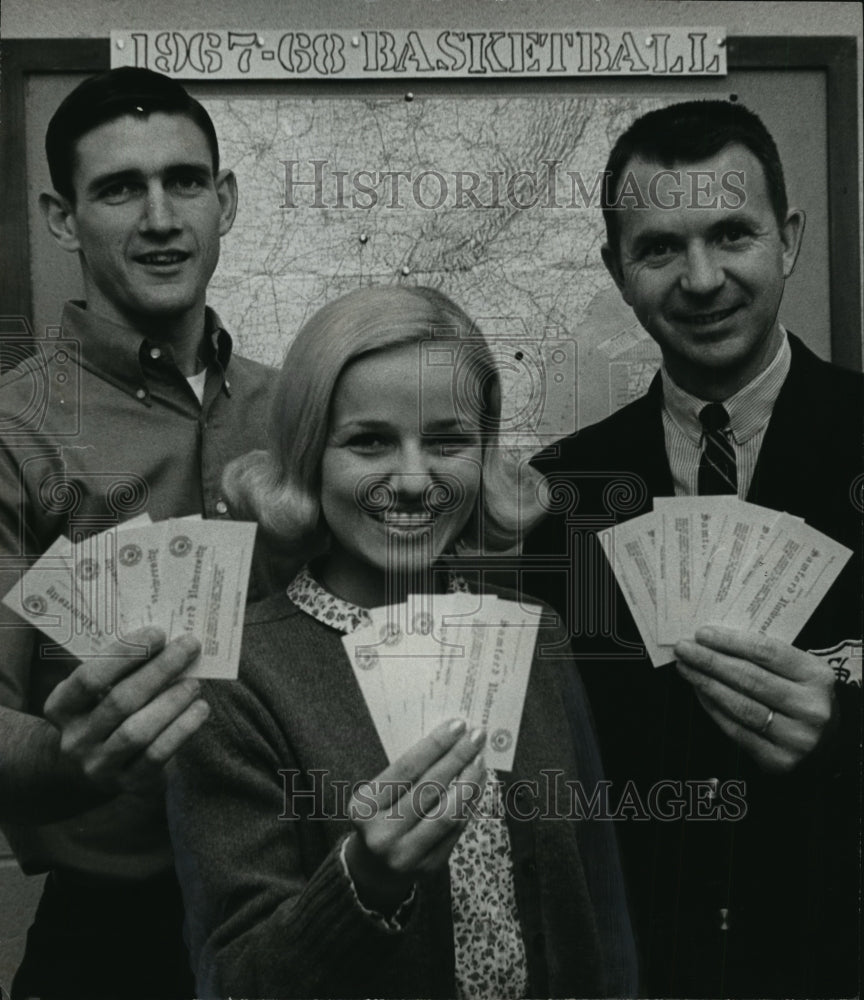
[{"x": 196, "y": 384}]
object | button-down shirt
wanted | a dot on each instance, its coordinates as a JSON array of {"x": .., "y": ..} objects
[
  {"x": 749, "y": 413},
  {"x": 98, "y": 426}
]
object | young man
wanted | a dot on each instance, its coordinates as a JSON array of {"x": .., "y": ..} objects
[
  {"x": 141, "y": 406},
  {"x": 763, "y": 902}
]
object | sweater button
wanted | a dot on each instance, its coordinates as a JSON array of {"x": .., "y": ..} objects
[
  {"x": 221, "y": 507},
  {"x": 140, "y": 393}
]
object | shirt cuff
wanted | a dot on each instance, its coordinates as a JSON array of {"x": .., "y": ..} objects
[{"x": 393, "y": 924}]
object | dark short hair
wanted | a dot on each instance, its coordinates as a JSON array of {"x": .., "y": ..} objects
[
  {"x": 687, "y": 133},
  {"x": 126, "y": 90}
]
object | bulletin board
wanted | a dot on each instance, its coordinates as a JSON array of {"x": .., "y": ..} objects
[{"x": 526, "y": 272}]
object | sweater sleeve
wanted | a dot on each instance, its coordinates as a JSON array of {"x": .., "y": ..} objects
[{"x": 263, "y": 918}]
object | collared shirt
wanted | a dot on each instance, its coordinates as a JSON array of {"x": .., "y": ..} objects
[
  {"x": 100, "y": 425},
  {"x": 749, "y": 412},
  {"x": 487, "y": 939}
]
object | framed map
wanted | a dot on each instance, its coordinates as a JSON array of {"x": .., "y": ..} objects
[{"x": 485, "y": 189}]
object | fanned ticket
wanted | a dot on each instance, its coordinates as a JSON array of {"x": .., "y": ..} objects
[
  {"x": 688, "y": 528},
  {"x": 630, "y": 548},
  {"x": 69, "y": 595},
  {"x": 742, "y": 537},
  {"x": 719, "y": 560},
  {"x": 182, "y": 575},
  {"x": 419, "y": 664},
  {"x": 792, "y": 574}
]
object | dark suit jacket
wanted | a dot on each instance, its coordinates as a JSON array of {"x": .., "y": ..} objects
[{"x": 759, "y": 905}]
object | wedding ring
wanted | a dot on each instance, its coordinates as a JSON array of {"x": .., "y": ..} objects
[{"x": 766, "y": 725}]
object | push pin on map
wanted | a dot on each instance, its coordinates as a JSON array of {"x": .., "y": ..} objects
[
  {"x": 409, "y": 96},
  {"x": 355, "y": 41},
  {"x": 406, "y": 270},
  {"x": 364, "y": 238}
]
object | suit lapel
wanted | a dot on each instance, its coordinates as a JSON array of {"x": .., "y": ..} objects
[
  {"x": 779, "y": 475},
  {"x": 648, "y": 444}
]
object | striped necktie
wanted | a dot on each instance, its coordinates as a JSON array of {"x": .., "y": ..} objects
[{"x": 718, "y": 472}]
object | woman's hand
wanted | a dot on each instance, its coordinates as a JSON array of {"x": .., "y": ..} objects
[{"x": 408, "y": 819}]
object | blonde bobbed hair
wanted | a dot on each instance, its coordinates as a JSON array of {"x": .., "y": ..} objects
[{"x": 280, "y": 487}]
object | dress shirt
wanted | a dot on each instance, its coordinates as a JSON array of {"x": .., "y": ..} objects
[
  {"x": 98, "y": 426},
  {"x": 749, "y": 412}
]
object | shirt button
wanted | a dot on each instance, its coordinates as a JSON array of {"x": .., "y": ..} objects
[
  {"x": 141, "y": 393},
  {"x": 221, "y": 507},
  {"x": 155, "y": 353}
]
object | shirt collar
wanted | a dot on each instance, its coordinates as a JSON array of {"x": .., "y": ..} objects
[
  {"x": 310, "y": 596},
  {"x": 124, "y": 357},
  {"x": 749, "y": 409}
]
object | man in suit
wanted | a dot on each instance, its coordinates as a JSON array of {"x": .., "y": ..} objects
[
  {"x": 144, "y": 404},
  {"x": 760, "y": 899}
]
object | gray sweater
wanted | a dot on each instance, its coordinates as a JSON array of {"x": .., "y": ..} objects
[{"x": 257, "y": 811}]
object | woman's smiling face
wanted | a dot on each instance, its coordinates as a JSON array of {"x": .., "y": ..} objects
[{"x": 400, "y": 474}]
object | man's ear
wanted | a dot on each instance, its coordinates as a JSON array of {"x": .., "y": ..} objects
[
  {"x": 226, "y": 191},
  {"x": 791, "y": 234},
  {"x": 60, "y": 217},
  {"x": 613, "y": 266}
]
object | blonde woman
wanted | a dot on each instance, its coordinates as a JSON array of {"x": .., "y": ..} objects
[{"x": 309, "y": 866}]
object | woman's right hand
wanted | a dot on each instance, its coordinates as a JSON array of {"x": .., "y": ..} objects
[{"x": 408, "y": 819}]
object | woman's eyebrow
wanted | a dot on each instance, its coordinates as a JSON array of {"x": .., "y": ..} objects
[
  {"x": 450, "y": 423},
  {"x": 363, "y": 423}
]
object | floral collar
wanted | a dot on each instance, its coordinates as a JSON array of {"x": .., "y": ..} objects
[{"x": 310, "y": 596}]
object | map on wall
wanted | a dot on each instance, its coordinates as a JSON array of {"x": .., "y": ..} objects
[{"x": 493, "y": 200}]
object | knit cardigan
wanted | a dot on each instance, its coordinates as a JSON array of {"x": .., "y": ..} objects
[{"x": 257, "y": 812}]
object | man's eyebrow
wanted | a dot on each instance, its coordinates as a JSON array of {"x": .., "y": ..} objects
[
  {"x": 113, "y": 177},
  {"x": 200, "y": 168},
  {"x": 649, "y": 236},
  {"x": 740, "y": 218}
]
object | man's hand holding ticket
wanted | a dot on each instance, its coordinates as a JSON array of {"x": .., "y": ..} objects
[
  {"x": 696, "y": 561},
  {"x": 722, "y": 587}
]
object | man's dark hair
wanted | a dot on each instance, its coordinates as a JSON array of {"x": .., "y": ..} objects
[
  {"x": 687, "y": 133},
  {"x": 106, "y": 97}
]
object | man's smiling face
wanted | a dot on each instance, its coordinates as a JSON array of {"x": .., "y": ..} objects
[
  {"x": 148, "y": 217},
  {"x": 705, "y": 278}
]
